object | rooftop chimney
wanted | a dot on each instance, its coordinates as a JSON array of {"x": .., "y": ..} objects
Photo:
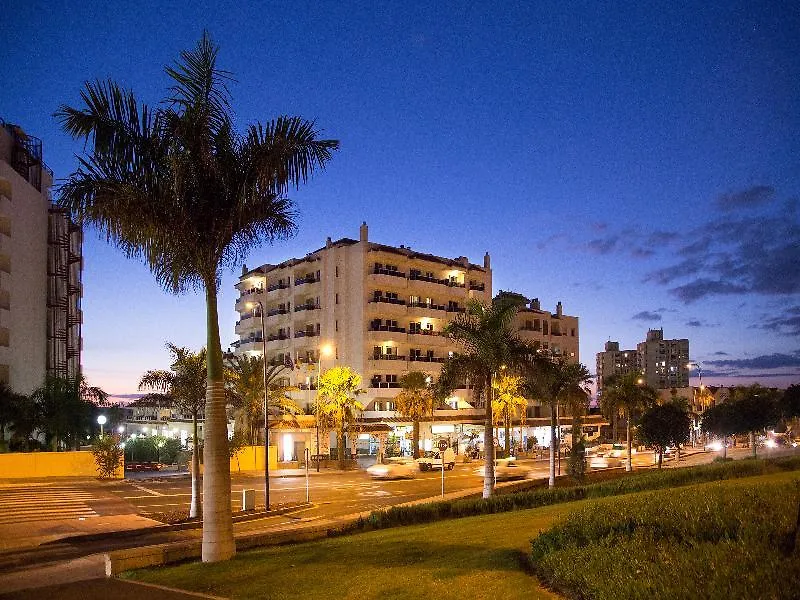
[
  {"x": 535, "y": 305},
  {"x": 363, "y": 232},
  {"x": 559, "y": 309},
  {"x": 328, "y": 243},
  {"x": 487, "y": 261}
]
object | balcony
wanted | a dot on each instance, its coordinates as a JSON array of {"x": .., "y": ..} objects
[
  {"x": 456, "y": 309},
  {"x": 427, "y": 279},
  {"x": 384, "y": 384},
  {"x": 428, "y": 359},
  {"x": 388, "y": 300},
  {"x": 277, "y": 311},
  {"x": 429, "y": 332},
  {"x": 303, "y": 307},
  {"x": 277, "y": 286},
  {"x": 425, "y": 306},
  {"x": 307, "y": 333},
  {"x": 387, "y": 328},
  {"x": 388, "y": 357},
  {"x": 277, "y": 336},
  {"x": 390, "y": 272},
  {"x": 475, "y": 285},
  {"x": 306, "y": 279}
]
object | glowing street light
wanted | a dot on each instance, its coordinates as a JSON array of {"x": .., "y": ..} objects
[{"x": 101, "y": 420}]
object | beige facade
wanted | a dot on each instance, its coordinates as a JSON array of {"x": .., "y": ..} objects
[
  {"x": 380, "y": 309},
  {"x": 664, "y": 364},
  {"x": 555, "y": 332},
  {"x": 39, "y": 284}
]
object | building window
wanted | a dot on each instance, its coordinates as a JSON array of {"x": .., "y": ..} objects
[
  {"x": 545, "y": 327},
  {"x": 337, "y": 298},
  {"x": 337, "y": 270},
  {"x": 336, "y": 325}
]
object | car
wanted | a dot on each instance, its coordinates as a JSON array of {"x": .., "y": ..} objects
[
  {"x": 715, "y": 445},
  {"x": 609, "y": 458},
  {"x": 433, "y": 460},
  {"x": 504, "y": 470},
  {"x": 394, "y": 468}
]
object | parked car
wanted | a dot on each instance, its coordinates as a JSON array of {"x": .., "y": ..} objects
[
  {"x": 504, "y": 469},
  {"x": 433, "y": 460},
  {"x": 394, "y": 468}
]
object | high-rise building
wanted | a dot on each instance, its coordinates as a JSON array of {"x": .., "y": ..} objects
[
  {"x": 664, "y": 364},
  {"x": 40, "y": 270}
]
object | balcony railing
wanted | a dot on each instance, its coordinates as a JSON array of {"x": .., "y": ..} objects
[
  {"x": 306, "y": 279},
  {"x": 277, "y": 286},
  {"x": 424, "y": 332},
  {"x": 418, "y": 277},
  {"x": 277, "y": 336},
  {"x": 530, "y": 328},
  {"x": 303, "y": 307},
  {"x": 388, "y": 357},
  {"x": 474, "y": 285},
  {"x": 428, "y": 305},
  {"x": 431, "y": 359},
  {"x": 387, "y": 328},
  {"x": 255, "y": 290},
  {"x": 458, "y": 309},
  {"x": 255, "y": 340},
  {"x": 388, "y": 300},
  {"x": 277, "y": 311},
  {"x": 301, "y": 334},
  {"x": 385, "y": 384},
  {"x": 378, "y": 271}
]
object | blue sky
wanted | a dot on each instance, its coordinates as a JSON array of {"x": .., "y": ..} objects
[{"x": 641, "y": 165}]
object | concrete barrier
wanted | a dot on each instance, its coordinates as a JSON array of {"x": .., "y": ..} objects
[{"x": 26, "y": 465}]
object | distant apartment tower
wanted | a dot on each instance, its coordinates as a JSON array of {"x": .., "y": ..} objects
[
  {"x": 613, "y": 361},
  {"x": 40, "y": 270},
  {"x": 662, "y": 363},
  {"x": 665, "y": 363},
  {"x": 381, "y": 309}
]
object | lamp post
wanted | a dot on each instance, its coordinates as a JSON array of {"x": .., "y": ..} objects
[
  {"x": 101, "y": 420},
  {"x": 324, "y": 350},
  {"x": 266, "y": 402},
  {"x": 699, "y": 368}
]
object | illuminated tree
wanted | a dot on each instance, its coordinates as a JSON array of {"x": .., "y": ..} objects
[
  {"x": 629, "y": 393},
  {"x": 337, "y": 394},
  {"x": 507, "y": 401},
  {"x": 415, "y": 401}
]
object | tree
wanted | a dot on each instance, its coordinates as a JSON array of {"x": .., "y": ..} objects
[
  {"x": 789, "y": 404},
  {"x": 182, "y": 387},
  {"x": 664, "y": 425},
  {"x": 64, "y": 409},
  {"x": 337, "y": 391},
  {"x": 10, "y": 411},
  {"x": 629, "y": 393},
  {"x": 108, "y": 455},
  {"x": 552, "y": 380},
  {"x": 245, "y": 382},
  {"x": 755, "y": 408},
  {"x": 415, "y": 401},
  {"x": 488, "y": 341},
  {"x": 507, "y": 401},
  {"x": 720, "y": 420},
  {"x": 180, "y": 187},
  {"x": 577, "y": 404}
]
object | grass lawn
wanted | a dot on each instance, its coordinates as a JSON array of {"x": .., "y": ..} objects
[{"x": 475, "y": 557}]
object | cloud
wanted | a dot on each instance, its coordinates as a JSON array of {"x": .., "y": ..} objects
[
  {"x": 603, "y": 245},
  {"x": 646, "y": 315},
  {"x": 720, "y": 353},
  {"x": 765, "y": 361},
  {"x": 785, "y": 324},
  {"x": 754, "y": 196},
  {"x": 694, "y": 323},
  {"x": 701, "y": 288}
]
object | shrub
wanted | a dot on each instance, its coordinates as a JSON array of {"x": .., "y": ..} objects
[
  {"x": 725, "y": 540},
  {"x": 107, "y": 455}
]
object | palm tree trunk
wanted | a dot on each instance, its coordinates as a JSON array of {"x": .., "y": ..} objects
[
  {"x": 340, "y": 444},
  {"x": 488, "y": 446},
  {"x": 660, "y": 457},
  {"x": 724, "y": 447},
  {"x": 629, "y": 459},
  {"x": 551, "y": 481},
  {"x": 218, "y": 542},
  {"x": 415, "y": 439},
  {"x": 194, "y": 507},
  {"x": 753, "y": 444},
  {"x": 508, "y": 435}
]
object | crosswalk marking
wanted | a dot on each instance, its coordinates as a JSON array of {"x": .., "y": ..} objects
[{"x": 38, "y": 503}]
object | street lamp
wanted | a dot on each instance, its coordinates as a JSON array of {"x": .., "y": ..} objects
[
  {"x": 324, "y": 350},
  {"x": 101, "y": 420},
  {"x": 266, "y": 404}
]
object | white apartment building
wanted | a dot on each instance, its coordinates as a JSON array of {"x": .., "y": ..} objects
[
  {"x": 664, "y": 364},
  {"x": 40, "y": 270},
  {"x": 380, "y": 310}
]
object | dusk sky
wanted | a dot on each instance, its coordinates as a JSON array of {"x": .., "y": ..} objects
[{"x": 640, "y": 164}]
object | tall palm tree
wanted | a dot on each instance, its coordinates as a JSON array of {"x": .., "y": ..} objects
[
  {"x": 9, "y": 411},
  {"x": 415, "y": 401},
  {"x": 337, "y": 393},
  {"x": 488, "y": 341},
  {"x": 178, "y": 186},
  {"x": 182, "y": 387},
  {"x": 508, "y": 401},
  {"x": 553, "y": 381},
  {"x": 245, "y": 381},
  {"x": 629, "y": 393}
]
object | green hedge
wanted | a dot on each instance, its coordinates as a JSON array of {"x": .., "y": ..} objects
[
  {"x": 724, "y": 540},
  {"x": 650, "y": 480}
]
